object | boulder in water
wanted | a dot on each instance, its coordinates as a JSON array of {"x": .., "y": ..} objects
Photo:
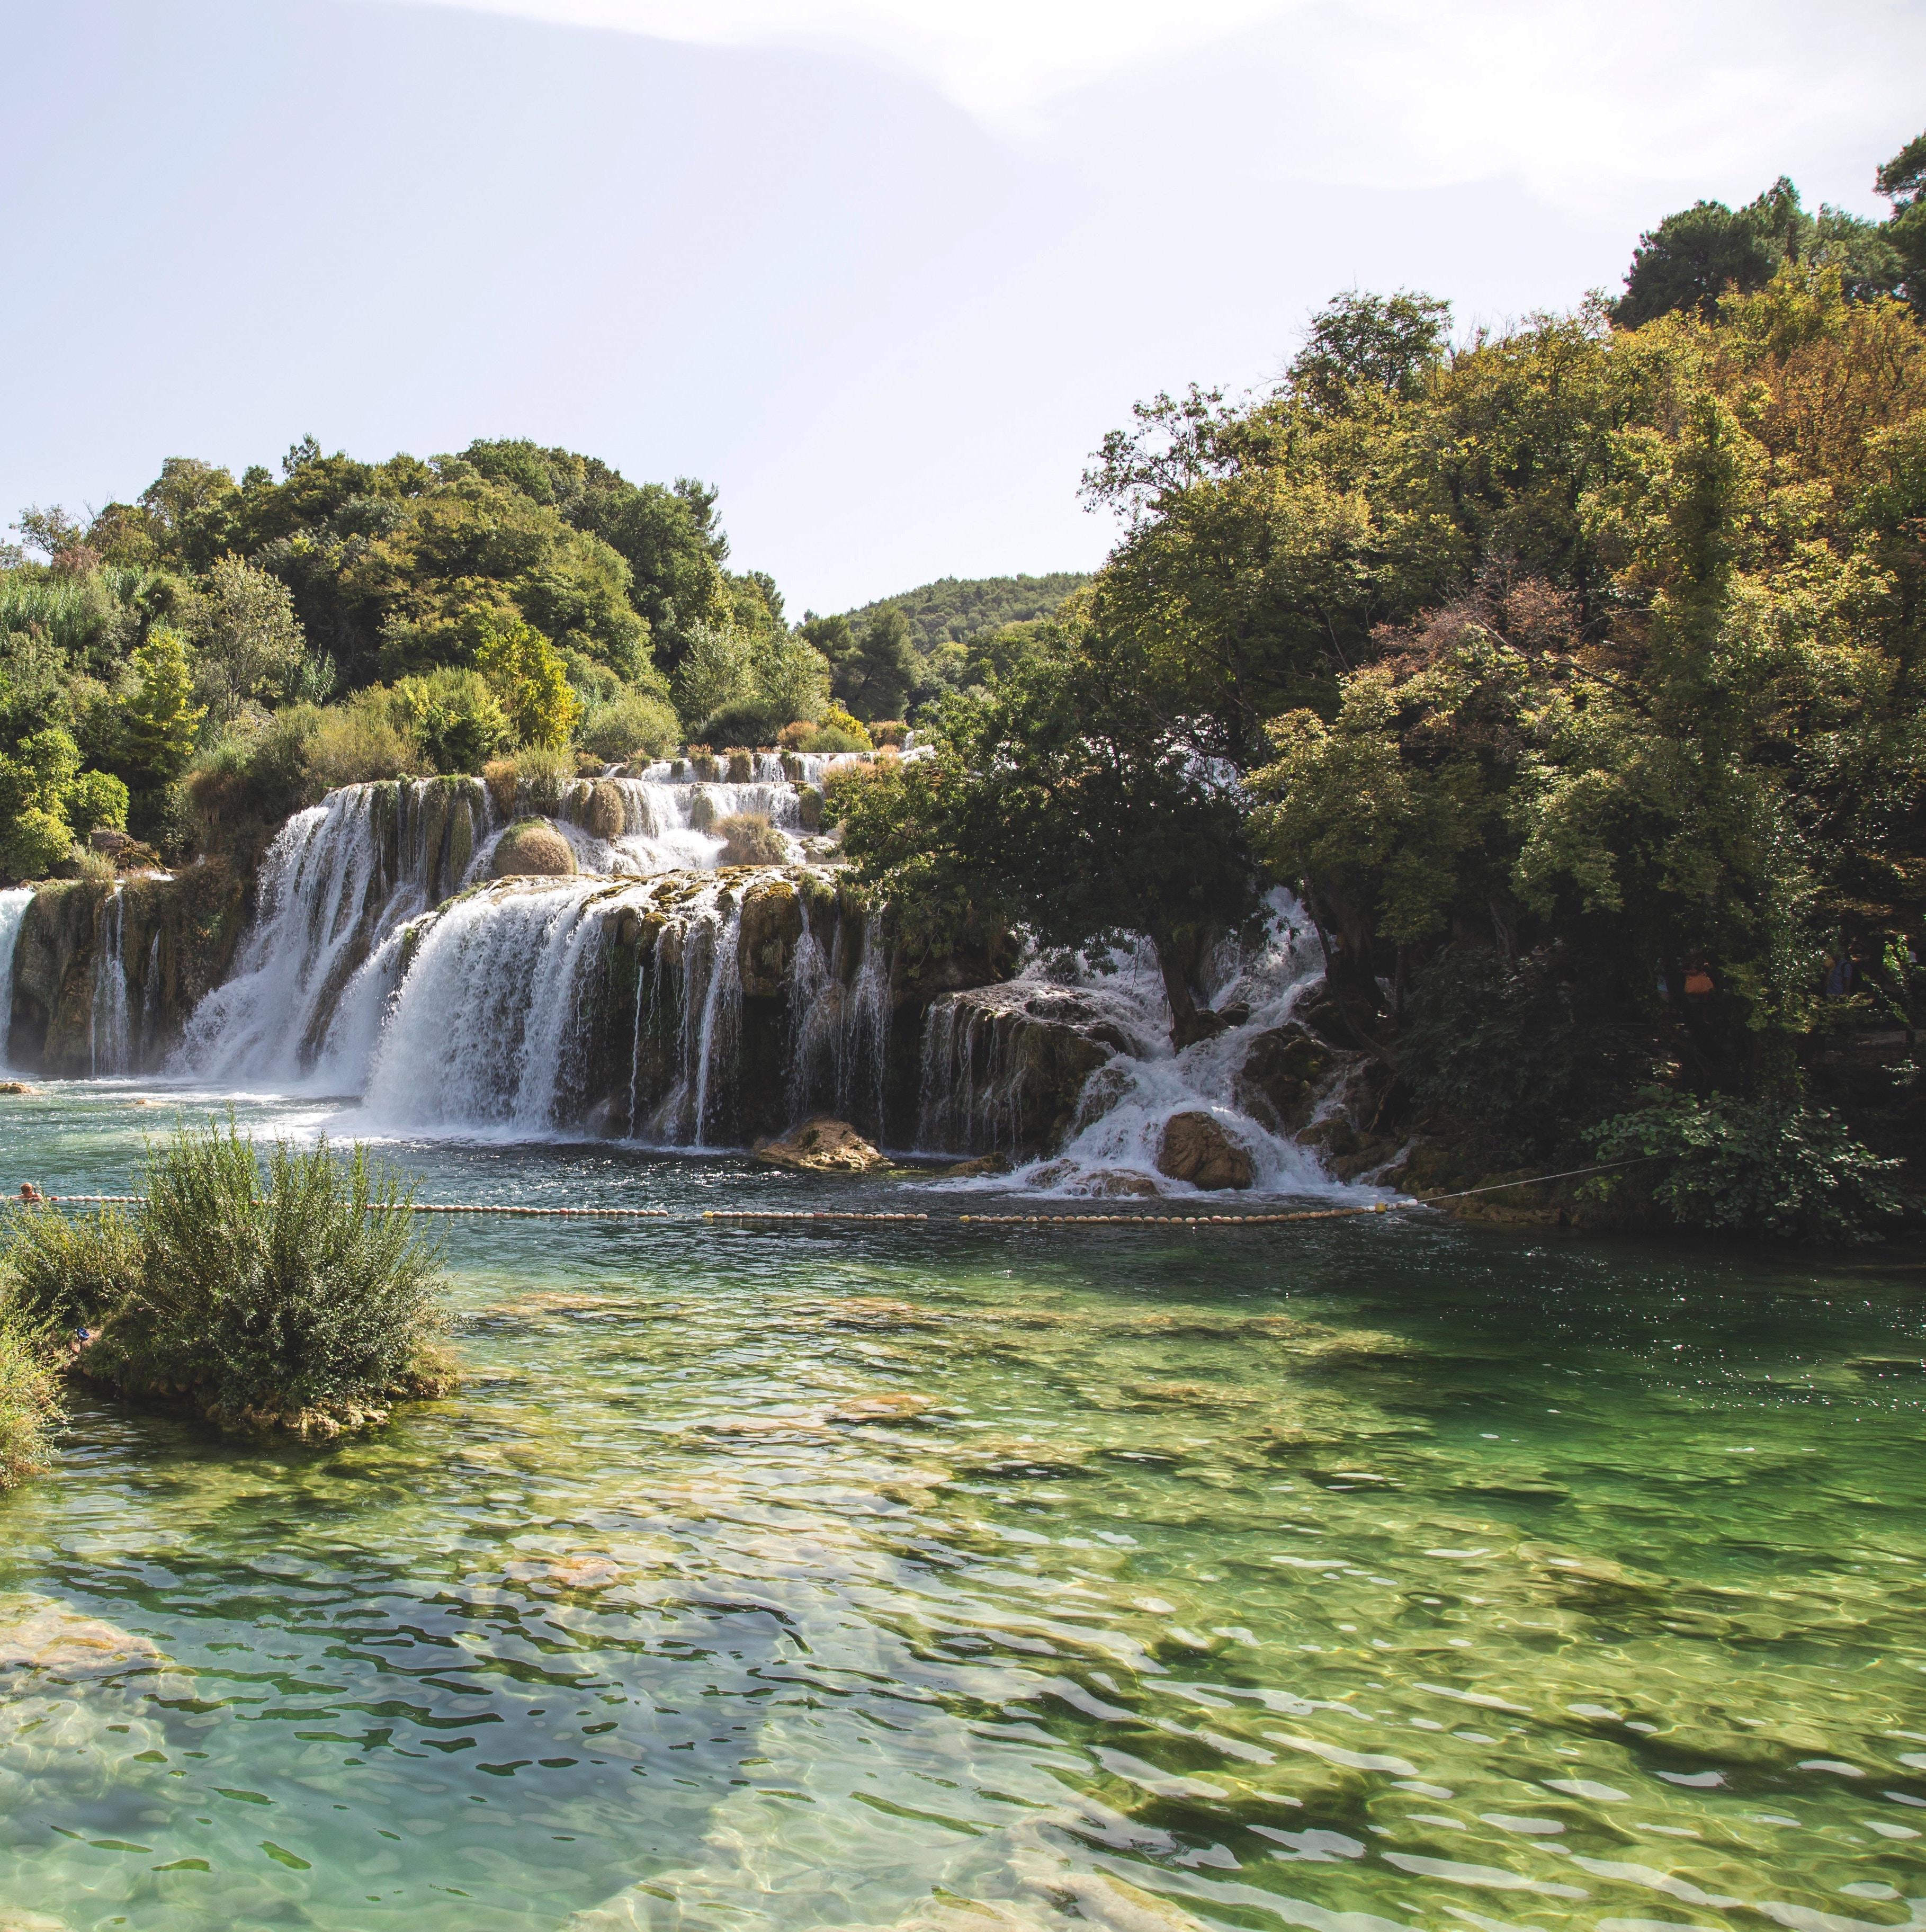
[
  {"x": 1195, "y": 1148},
  {"x": 749, "y": 839},
  {"x": 533, "y": 848},
  {"x": 606, "y": 816},
  {"x": 819, "y": 1146},
  {"x": 12, "y": 1087},
  {"x": 1284, "y": 1071},
  {"x": 52, "y": 1638}
]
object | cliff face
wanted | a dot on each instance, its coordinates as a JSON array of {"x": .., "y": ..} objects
[{"x": 104, "y": 976}]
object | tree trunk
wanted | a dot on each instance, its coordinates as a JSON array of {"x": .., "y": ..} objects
[{"x": 1189, "y": 1022}]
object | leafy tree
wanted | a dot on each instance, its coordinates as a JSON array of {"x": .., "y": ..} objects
[
  {"x": 877, "y": 676},
  {"x": 1066, "y": 803},
  {"x": 1691, "y": 259},
  {"x": 1903, "y": 182},
  {"x": 1373, "y": 343},
  {"x": 159, "y": 718},
  {"x": 249, "y": 641},
  {"x": 456, "y": 717},
  {"x": 522, "y": 668}
]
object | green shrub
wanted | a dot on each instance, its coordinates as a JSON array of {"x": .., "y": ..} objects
[
  {"x": 299, "y": 1297},
  {"x": 34, "y": 842},
  {"x": 30, "y": 1407},
  {"x": 367, "y": 739},
  {"x": 68, "y": 1271},
  {"x": 636, "y": 722},
  {"x": 96, "y": 799},
  {"x": 456, "y": 717},
  {"x": 1751, "y": 1168},
  {"x": 749, "y": 839}
]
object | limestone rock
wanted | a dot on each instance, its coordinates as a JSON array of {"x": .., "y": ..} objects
[
  {"x": 974, "y": 1170},
  {"x": 14, "y": 1087},
  {"x": 54, "y": 1639},
  {"x": 533, "y": 848},
  {"x": 1195, "y": 1149},
  {"x": 606, "y": 816},
  {"x": 1282, "y": 1074},
  {"x": 820, "y": 1146}
]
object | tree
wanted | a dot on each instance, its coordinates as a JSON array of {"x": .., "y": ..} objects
[
  {"x": 250, "y": 641},
  {"x": 875, "y": 678},
  {"x": 1065, "y": 802},
  {"x": 160, "y": 718},
  {"x": 1903, "y": 182},
  {"x": 1381, "y": 344},
  {"x": 530, "y": 681}
]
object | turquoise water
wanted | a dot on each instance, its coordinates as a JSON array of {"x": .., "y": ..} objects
[{"x": 1355, "y": 1575}]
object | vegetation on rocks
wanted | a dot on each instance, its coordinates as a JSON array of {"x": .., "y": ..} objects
[
  {"x": 1570, "y": 674},
  {"x": 295, "y": 1294}
]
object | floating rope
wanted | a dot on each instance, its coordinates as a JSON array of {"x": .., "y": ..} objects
[{"x": 814, "y": 1215}]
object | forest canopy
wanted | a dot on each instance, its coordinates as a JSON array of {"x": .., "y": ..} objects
[{"x": 1571, "y": 673}]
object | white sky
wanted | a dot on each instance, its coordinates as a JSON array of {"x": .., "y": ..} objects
[{"x": 885, "y": 272}]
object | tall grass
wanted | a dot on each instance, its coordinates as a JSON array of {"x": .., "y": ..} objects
[{"x": 295, "y": 1292}]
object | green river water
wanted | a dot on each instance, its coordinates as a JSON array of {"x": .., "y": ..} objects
[{"x": 1376, "y": 1573}]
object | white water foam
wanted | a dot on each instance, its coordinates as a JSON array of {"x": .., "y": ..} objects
[
  {"x": 1112, "y": 1146},
  {"x": 14, "y": 901}
]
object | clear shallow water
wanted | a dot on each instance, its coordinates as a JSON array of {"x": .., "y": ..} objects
[{"x": 1341, "y": 1576}]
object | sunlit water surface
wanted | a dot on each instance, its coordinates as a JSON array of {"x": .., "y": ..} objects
[{"x": 1368, "y": 1574}]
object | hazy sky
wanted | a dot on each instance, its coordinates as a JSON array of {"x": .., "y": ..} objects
[{"x": 885, "y": 270}]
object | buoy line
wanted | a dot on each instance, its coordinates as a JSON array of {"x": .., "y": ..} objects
[{"x": 815, "y": 1215}]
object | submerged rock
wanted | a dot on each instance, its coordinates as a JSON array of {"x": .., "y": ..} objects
[
  {"x": 971, "y": 1170},
  {"x": 55, "y": 1639},
  {"x": 820, "y": 1146},
  {"x": 1195, "y": 1148},
  {"x": 533, "y": 848}
]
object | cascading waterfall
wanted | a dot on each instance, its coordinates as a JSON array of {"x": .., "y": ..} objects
[
  {"x": 972, "y": 1069},
  {"x": 14, "y": 901},
  {"x": 339, "y": 878},
  {"x": 110, "y": 1018},
  {"x": 839, "y": 1022}
]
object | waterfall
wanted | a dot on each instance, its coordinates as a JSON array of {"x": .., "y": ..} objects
[
  {"x": 109, "y": 1019},
  {"x": 339, "y": 878},
  {"x": 14, "y": 901},
  {"x": 984, "y": 1055},
  {"x": 839, "y": 1021}
]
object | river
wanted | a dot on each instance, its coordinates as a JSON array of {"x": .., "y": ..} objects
[{"x": 1347, "y": 1576}]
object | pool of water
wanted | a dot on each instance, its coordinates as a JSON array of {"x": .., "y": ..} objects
[{"x": 1350, "y": 1576}]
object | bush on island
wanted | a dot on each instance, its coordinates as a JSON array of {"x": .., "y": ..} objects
[
  {"x": 301, "y": 1297},
  {"x": 749, "y": 839},
  {"x": 533, "y": 848}
]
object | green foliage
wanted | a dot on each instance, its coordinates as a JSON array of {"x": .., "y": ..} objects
[
  {"x": 33, "y": 842},
  {"x": 745, "y": 685},
  {"x": 636, "y": 721},
  {"x": 1373, "y": 344},
  {"x": 1755, "y": 1168},
  {"x": 455, "y": 717},
  {"x": 303, "y": 1288},
  {"x": 97, "y": 799},
  {"x": 30, "y": 1405},
  {"x": 529, "y": 678},
  {"x": 1068, "y": 801},
  {"x": 161, "y": 720},
  {"x": 954, "y": 610},
  {"x": 880, "y": 670},
  {"x": 62, "y": 1272},
  {"x": 249, "y": 642},
  {"x": 1692, "y": 258}
]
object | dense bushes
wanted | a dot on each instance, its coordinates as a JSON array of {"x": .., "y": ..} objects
[
  {"x": 299, "y": 1296},
  {"x": 30, "y": 1407}
]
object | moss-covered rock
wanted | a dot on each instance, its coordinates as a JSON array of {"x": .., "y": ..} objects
[{"x": 533, "y": 848}]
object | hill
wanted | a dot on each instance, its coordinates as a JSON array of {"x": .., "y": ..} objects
[{"x": 955, "y": 609}]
